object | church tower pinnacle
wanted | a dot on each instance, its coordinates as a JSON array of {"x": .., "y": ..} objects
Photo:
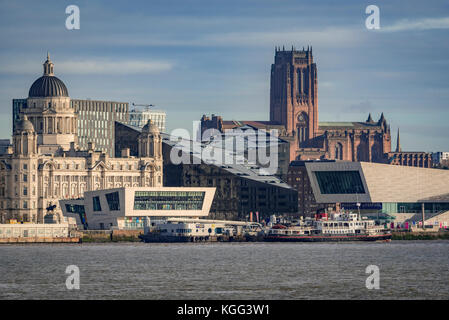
[{"x": 398, "y": 144}]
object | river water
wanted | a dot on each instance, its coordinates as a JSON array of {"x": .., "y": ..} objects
[{"x": 408, "y": 270}]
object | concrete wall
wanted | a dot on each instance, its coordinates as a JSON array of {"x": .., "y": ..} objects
[{"x": 31, "y": 230}]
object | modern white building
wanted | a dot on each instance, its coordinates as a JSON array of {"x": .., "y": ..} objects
[
  {"x": 138, "y": 118},
  {"x": 136, "y": 207}
]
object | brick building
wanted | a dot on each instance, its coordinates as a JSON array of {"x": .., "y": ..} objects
[{"x": 294, "y": 113}]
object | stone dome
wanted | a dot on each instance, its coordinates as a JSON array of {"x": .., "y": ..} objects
[
  {"x": 24, "y": 125},
  {"x": 150, "y": 127},
  {"x": 48, "y": 86}
]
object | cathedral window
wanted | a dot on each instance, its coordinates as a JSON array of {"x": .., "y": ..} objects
[{"x": 339, "y": 151}]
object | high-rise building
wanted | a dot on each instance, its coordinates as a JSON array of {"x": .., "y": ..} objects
[
  {"x": 95, "y": 122},
  {"x": 138, "y": 118}
]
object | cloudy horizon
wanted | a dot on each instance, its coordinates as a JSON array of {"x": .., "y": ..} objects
[{"x": 191, "y": 58}]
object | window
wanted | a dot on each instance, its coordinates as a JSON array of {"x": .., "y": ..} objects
[
  {"x": 339, "y": 182},
  {"x": 168, "y": 200},
  {"x": 25, "y": 178},
  {"x": 76, "y": 208},
  {"x": 96, "y": 203},
  {"x": 113, "y": 201}
]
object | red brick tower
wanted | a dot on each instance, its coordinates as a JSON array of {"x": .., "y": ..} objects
[{"x": 294, "y": 95}]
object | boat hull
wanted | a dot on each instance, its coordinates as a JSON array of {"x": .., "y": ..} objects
[{"x": 327, "y": 238}]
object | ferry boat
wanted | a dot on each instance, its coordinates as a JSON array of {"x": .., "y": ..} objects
[{"x": 329, "y": 227}]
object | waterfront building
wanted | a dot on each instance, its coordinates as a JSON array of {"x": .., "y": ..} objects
[
  {"x": 139, "y": 118},
  {"x": 46, "y": 164},
  {"x": 405, "y": 193},
  {"x": 242, "y": 188},
  {"x": 136, "y": 207},
  {"x": 94, "y": 118},
  {"x": 297, "y": 178}
]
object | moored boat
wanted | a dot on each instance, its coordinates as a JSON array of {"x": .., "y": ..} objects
[{"x": 329, "y": 228}]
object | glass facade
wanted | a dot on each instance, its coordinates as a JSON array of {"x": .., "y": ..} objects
[
  {"x": 113, "y": 201},
  {"x": 77, "y": 208},
  {"x": 339, "y": 182},
  {"x": 168, "y": 200},
  {"x": 413, "y": 207},
  {"x": 96, "y": 203}
]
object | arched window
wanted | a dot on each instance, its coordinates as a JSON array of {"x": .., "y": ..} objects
[{"x": 302, "y": 128}]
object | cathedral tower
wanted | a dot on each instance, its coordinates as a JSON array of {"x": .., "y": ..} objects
[{"x": 294, "y": 95}]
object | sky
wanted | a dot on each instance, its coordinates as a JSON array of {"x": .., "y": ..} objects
[{"x": 191, "y": 58}]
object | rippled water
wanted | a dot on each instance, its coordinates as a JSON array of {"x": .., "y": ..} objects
[{"x": 408, "y": 269}]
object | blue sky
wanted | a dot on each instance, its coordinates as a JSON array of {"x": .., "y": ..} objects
[{"x": 201, "y": 57}]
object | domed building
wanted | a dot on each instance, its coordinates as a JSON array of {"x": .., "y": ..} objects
[
  {"x": 50, "y": 112},
  {"x": 46, "y": 164}
]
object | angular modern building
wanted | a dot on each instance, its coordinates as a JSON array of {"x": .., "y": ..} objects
[
  {"x": 135, "y": 207},
  {"x": 392, "y": 190},
  {"x": 241, "y": 187}
]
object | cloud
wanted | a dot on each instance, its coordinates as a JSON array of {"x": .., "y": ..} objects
[
  {"x": 420, "y": 24},
  {"x": 91, "y": 66}
]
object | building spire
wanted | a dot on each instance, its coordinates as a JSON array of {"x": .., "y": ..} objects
[
  {"x": 370, "y": 119},
  {"x": 398, "y": 144},
  {"x": 48, "y": 66}
]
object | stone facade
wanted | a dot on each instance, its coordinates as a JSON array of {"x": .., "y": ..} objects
[{"x": 46, "y": 164}]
